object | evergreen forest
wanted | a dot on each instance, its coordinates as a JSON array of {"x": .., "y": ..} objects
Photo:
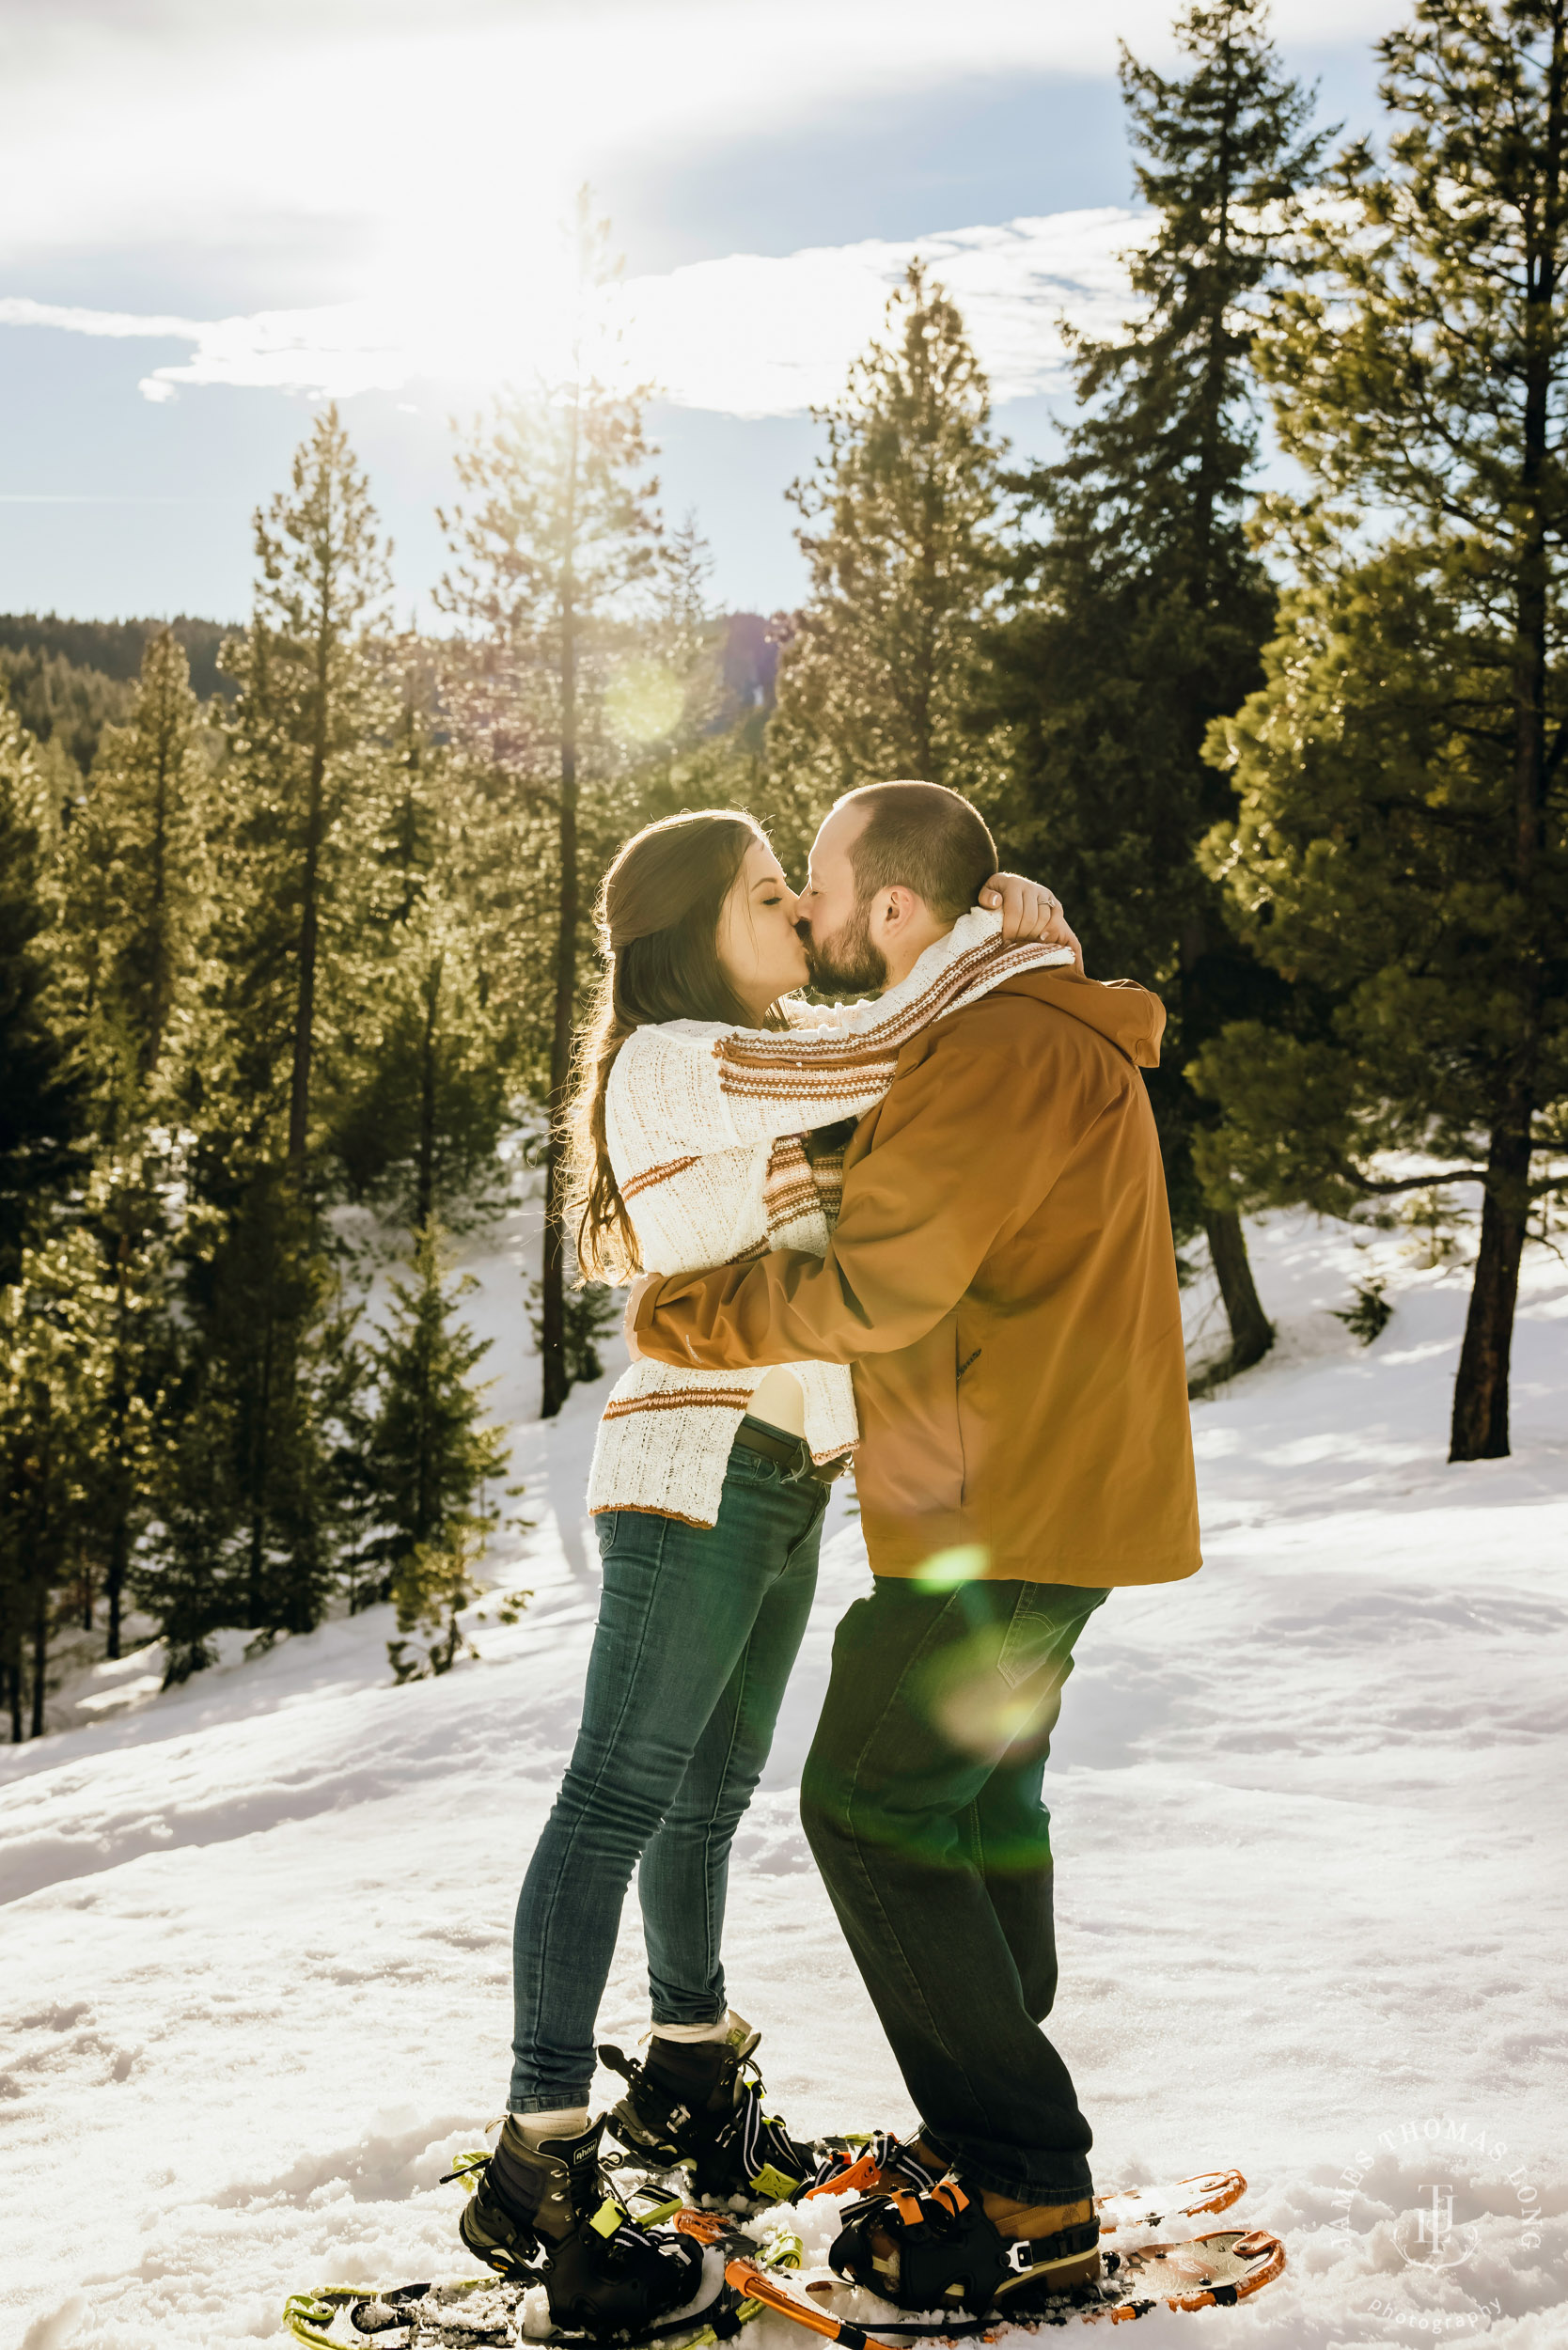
[{"x": 296, "y": 917}]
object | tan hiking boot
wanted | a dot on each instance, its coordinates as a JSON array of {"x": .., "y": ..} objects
[
  {"x": 978, "y": 2252},
  {"x": 1029, "y": 2223}
]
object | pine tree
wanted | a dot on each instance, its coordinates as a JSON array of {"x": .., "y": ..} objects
[
  {"x": 133, "y": 881},
  {"x": 1143, "y": 612},
  {"x": 52, "y": 1373},
  {"x": 151, "y": 773},
  {"x": 255, "y": 1503},
  {"x": 251, "y": 1522},
  {"x": 307, "y": 778},
  {"x": 112, "y": 1271},
  {"x": 418, "y": 1128},
  {"x": 430, "y": 1455},
  {"x": 555, "y": 530},
  {"x": 43, "y": 1106},
  {"x": 900, "y": 529},
  {"x": 1404, "y": 830},
  {"x": 420, "y": 1110}
]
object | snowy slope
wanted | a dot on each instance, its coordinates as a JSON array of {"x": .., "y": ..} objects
[{"x": 1309, "y": 1828}]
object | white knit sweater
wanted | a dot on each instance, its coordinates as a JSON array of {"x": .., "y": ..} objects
[{"x": 705, "y": 1124}]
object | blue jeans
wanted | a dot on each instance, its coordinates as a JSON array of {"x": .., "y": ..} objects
[{"x": 699, "y": 1628}]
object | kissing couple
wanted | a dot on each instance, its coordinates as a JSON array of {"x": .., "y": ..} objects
[{"x": 926, "y": 1232}]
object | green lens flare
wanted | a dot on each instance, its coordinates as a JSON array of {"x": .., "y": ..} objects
[{"x": 945, "y": 1570}]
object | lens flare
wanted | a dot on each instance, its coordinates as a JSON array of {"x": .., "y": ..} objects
[
  {"x": 945, "y": 1570},
  {"x": 965, "y": 1694},
  {"x": 644, "y": 702}
]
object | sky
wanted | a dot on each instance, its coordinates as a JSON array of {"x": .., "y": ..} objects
[{"x": 214, "y": 215}]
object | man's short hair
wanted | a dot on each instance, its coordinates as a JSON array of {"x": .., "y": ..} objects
[{"x": 924, "y": 838}]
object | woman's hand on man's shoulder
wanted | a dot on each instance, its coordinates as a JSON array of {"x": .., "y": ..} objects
[{"x": 1031, "y": 914}]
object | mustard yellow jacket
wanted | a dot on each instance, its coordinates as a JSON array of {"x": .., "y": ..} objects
[{"x": 1003, "y": 1281}]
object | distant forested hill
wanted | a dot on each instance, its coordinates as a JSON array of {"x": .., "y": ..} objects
[
  {"x": 67, "y": 679},
  {"x": 115, "y": 647}
]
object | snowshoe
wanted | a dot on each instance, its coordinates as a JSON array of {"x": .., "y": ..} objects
[
  {"x": 543, "y": 2215},
  {"x": 939, "y": 2250},
  {"x": 698, "y": 2106},
  {"x": 1214, "y": 2271}
]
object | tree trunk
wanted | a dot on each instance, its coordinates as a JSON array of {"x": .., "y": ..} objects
[
  {"x": 1252, "y": 1331},
  {"x": 1480, "y": 1430},
  {"x": 114, "y": 1582},
  {"x": 305, "y": 1009},
  {"x": 556, "y": 1384},
  {"x": 13, "y": 1696},
  {"x": 256, "y": 1609},
  {"x": 40, "y": 1655},
  {"x": 120, "y": 1533},
  {"x": 161, "y": 991},
  {"x": 1480, "y": 1427},
  {"x": 424, "y": 1190},
  {"x": 304, "y": 1013}
]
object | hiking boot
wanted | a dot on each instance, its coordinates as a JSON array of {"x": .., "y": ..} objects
[
  {"x": 699, "y": 2104},
  {"x": 544, "y": 2215},
  {"x": 979, "y": 2252}
]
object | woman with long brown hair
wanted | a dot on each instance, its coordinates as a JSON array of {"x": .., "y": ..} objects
[{"x": 700, "y": 1088}]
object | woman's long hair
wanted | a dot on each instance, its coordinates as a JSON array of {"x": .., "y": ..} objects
[{"x": 657, "y": 917}]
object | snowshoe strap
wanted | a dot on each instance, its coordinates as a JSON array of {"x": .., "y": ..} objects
[
  {"x": 670, "y": 2110},
  {"x": 767, "y": 2158},
  {"x": 868, "y": 2163},
  {"x": 1022, "y": 2255}
]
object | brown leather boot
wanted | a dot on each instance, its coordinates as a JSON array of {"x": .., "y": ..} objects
[
  {"x": 1028, "y": 2223},
  {"x": 979, "y": 2252}
]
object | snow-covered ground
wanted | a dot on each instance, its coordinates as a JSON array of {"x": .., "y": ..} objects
[{"x": 1309, "y": 1823}]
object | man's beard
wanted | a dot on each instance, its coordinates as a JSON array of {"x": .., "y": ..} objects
[{"x": 848, "y": 963}]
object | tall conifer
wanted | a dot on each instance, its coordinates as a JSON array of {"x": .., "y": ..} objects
[
  {"x": 43, "y": 1107},
  {"x": 134, "y": 881},
  {"x": 1404, "y": 830},
  {"x": 425, "y": 1090},
  {"x": 898, "y": 525},
  {"x": 255, "y": 1500},
  {"x": 308, "y": 738},
  {"x": 53, "y": 1370},
  {"x": 556, "y": 527},
  {"x": 1143, "y": 610}
]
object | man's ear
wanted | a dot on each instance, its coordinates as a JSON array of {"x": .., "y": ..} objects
[{"x": 896, "y": 908}]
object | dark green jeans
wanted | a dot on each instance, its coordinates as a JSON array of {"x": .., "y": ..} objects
[{"x": 922, "y": 1799}]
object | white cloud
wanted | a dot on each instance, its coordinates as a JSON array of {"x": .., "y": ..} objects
[
  {"x": 336, "y": 127},
  {"x": 121, "y": 325},
  {"x": 744, "y": 336}
]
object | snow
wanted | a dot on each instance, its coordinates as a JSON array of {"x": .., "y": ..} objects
[{"x": 1309, "y": 1820}]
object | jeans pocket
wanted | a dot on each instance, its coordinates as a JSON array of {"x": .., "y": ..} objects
[
  {"x": 631, "y": 1533},
  {"x": 1029, "y": 1639}
]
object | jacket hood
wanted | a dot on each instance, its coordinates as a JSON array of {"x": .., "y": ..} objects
[{"x": 1125, "y": 1013}]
